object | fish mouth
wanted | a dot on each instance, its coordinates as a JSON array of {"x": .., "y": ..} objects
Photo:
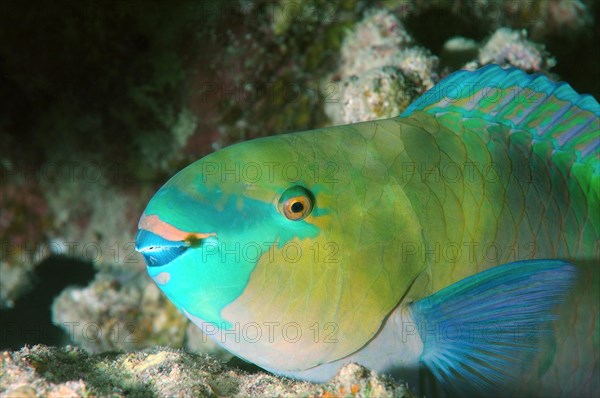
[{"x": 159, "y": 250}]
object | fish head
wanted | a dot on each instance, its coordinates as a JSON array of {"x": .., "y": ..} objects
[{"x": 268, "y": 247}]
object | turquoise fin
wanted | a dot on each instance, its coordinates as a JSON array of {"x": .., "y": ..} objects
[{"x": 481, "y": 332}]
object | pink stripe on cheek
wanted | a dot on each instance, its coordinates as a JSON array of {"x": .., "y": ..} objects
[{"x": 154, "y": 224}]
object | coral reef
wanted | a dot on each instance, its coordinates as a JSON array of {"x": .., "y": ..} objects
[
  {"x": 375, "y": 41},
  {"x": 357, "y": 381},
  {"x": 377, "y": 93},
  {"x": 381, "y": 71},
  {"x": 511, "y": 48},
  {"x": 69, "y": 371}
]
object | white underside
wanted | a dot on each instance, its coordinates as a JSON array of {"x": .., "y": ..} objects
[{"x": 395, "y": 351}]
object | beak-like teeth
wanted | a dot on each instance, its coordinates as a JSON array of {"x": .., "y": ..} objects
[{"x": 158, "y": 251}]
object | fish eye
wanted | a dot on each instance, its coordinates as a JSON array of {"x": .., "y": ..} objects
[{"x": 296, "y": 203}]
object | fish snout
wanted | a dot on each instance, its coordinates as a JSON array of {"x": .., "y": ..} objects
[
  {"x": 158, "y": 251},
  {"x": 160, "y": 243}
]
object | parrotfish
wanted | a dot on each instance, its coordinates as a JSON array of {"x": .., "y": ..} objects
[{"x": 453, "y": 246}]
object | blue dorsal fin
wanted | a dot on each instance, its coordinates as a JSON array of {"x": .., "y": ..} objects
[
  {"x": 549, "y": 111},
  {"x": 481, "y": 332}
]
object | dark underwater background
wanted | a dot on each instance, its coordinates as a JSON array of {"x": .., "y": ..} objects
[{"x": 101, "y": 102}]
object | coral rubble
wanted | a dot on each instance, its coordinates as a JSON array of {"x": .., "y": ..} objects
[{"x": 69, "y": 371}]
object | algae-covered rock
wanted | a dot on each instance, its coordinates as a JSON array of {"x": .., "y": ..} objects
[
  {"x": 511, "y": 48},
  {"x": 354, "y": 380},
  {"x": 118, "y": 310},
  {"x": 375, "y": 94},
  {"x": 374, "y": 42},
  {"x": 381, "y": 71},
  {"x": 68, "y": 371}
]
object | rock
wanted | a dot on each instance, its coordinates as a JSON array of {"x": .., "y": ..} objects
[
  {"x": 511, "y": 48},
  {"x": 165, "y": 372},
  {"x": 123, "y": 310},
  {"x": 381, "y": 71},
  {"x": 354, "y": 380},
  {"x": 375, "y": 94}
]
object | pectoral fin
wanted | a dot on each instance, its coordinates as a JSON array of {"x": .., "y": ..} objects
[{"x": 481, "y": 332}]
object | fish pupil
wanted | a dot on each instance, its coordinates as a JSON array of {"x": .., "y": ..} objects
[{"x": 297, "y": 207}]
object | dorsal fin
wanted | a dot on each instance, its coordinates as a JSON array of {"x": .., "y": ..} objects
[{"x": 549, "y": 111}]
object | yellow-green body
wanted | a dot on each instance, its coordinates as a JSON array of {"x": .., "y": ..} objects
[
  {"x": 424, "y": 206},
  {"x": 439, "y": 204}
]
